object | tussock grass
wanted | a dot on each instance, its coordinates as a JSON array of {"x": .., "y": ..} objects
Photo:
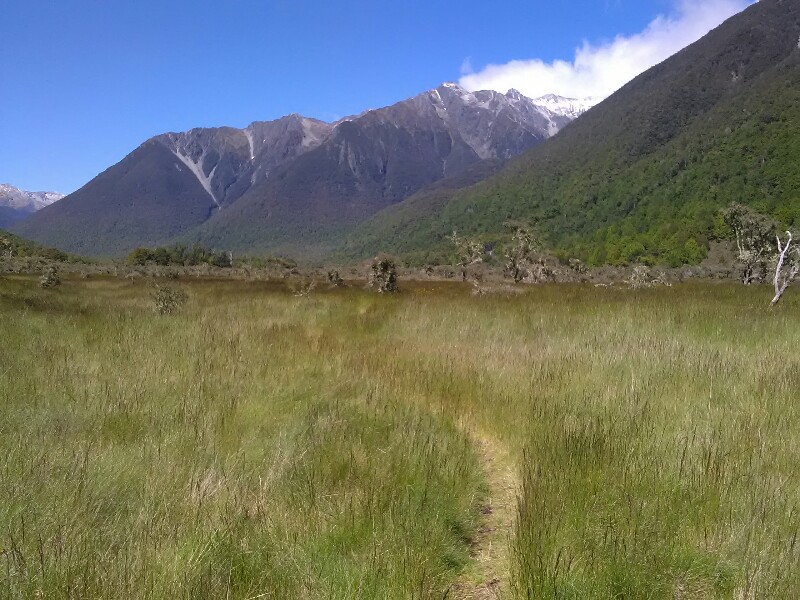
[
  {"x": 323, "y": 446},
  {"x": 221, "y": 452}
]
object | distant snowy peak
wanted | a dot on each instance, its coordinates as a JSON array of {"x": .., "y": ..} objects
[
  {"x": 12, "y": 197},
  {"x": 550, "y": 105},
  {"x": 567, "y": 107},
  {"x": 477, "y": 110}
]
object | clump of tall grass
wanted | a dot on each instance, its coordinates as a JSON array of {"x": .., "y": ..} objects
[{"x": 664, "y": 469}]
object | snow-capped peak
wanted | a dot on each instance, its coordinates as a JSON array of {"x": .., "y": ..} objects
[
  {"x": 18, "y": 199},
  {"x": 514, "y": 94},
  {"x": 567, "y": 107}
]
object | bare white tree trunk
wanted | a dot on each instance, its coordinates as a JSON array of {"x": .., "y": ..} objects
[{"x": 782, "y": 284}]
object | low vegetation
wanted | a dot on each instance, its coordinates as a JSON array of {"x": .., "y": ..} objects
[
  {"x": 50, "y": 277},
  {"x": 167, "y": 299},
  {"x": 256, "y": 444},
  {"x": 12, "y": 246},
  {"x": 383, "y": 275}
]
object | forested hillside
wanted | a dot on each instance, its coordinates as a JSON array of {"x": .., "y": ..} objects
[{"x": 641, "y": 177}]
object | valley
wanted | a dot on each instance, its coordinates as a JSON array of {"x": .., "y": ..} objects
[{"x": 530, "y": 334}]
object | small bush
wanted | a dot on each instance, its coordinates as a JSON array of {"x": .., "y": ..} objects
[
  {"x": 50, "y": 278},
  {"x": 383, "y": 275},
  {"x": 335, "y": 279},
  {"x": 302, "y": 285},
  {"x": 577, "y": 265},
  {"x": 168, "y": 300},
  {"x": 643, "y": 278}
]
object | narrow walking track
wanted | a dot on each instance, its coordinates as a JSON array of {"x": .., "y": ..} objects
[{"x": 489, "y": 575}]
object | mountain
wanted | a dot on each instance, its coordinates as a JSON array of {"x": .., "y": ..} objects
[
  {"x": 16, "y": 204},
  {"x": 642, "y": 175},
  {"x": 376, "y": 160},
  {"x": 295, "y": 183},
  {"x": 169, "y": 184}
]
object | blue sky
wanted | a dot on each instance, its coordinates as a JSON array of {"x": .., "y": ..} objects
[{"x": 85, "y": 82}]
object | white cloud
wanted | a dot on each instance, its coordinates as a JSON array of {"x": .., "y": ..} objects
[{"x": 599, "y": 70}]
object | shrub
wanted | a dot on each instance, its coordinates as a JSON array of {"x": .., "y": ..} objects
[
  {"x": 470, "y": 252},
  {"x": 6, "y": 248},
  {"x": 50, "y": 278},
  {"x": 335, "y": 279},
  {"x": 383, "y": 275},
  {"x": 302, "y": 285},
  {"x": 524, "y": 252},
  {"x": 168, "y": 300},
  {"x": 577, "y": 266},
  {"x": 754, "y": 234},
  {"x": 643, "y": 278}
]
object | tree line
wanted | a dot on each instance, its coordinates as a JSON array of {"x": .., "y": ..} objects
[{"x": 180, "y": 255}]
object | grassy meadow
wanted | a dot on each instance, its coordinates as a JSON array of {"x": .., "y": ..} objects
[{"x": 565, "y": 442}]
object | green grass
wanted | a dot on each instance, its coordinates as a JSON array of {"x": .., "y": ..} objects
[{"x": 258, "y": 444}]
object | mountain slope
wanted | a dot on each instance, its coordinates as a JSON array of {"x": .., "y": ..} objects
[
  {"x": 295, "y": 182},
  {"x": 168, "y": 185},
  {"x": 376, "y": 160},
  {"x": 17, "y": 205},
  {"x": 145, "y": 197},
  {"x": 641, "y": 175}
]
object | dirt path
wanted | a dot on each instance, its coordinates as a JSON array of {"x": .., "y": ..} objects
[{"x": 489, "y": 575}]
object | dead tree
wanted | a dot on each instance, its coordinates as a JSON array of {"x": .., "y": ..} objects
[{"x": 785, "y": 273}]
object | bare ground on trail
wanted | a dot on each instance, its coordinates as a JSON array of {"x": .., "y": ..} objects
[{"x": 488, "y": 577}]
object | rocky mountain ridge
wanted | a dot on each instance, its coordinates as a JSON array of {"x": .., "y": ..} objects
[
  {"x": 227, "y": 161},
  {"x": 295, "y": 177},
  {"x": 17, "y": 204}
]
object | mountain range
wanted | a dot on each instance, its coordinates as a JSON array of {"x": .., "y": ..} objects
[
  {"x": 639, "y": 177},
  {"x": 292, "y": 184},
  {"x": 16, "y": 204}
]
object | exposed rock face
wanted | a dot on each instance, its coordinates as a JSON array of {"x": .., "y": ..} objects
[{"x": 228, "y": 161}]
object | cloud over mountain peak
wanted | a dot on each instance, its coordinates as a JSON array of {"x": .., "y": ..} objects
[{"x": 599, "y": 70}]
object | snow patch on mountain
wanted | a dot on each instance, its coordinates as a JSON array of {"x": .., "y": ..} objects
[
  {"x": 567, "y": 107},
  {"x": 486, "y": 119},
  {"x": 12, "y": 197},
  {"x": 549, "y": 113}
]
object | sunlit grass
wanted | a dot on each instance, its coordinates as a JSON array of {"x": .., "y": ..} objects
[{"x": 257, "y": 443}]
